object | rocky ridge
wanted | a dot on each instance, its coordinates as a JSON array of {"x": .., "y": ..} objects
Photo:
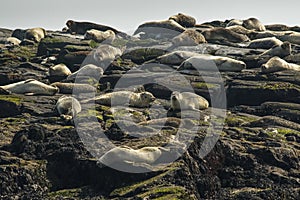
[{"x": 256, "y": 156}]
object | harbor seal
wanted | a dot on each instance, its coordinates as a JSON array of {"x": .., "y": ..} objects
[
  {"x": 240, "y": 29},
  {"x": 175, "y": 57},
  {"x": 160, "y": 29},
  {"x": 276, "y": 64},
  {"x": 100, "y": 36},
  {"x": 124, "y": 154},
  {"x": 188, "y": 38},
  {"x": 69, "y": 88},
  {"x": 234, "y": 22},
  {"x": 184, "y": 20},
  {"x": 264, "y": 43},
  {"x": 81, "y": 28},
  {"x": 59, "y": 70},
  {"x": 35, "y": 34},
  {"x": 210, "y": 63},
  {"x": 282, "y": 50},
  {"x": 13, "y": 41},
  {"x": 140, "y": 100},
  {"x": 277, "y": 27},
  {"x": 67, "y": 107},
  {"x": 87, "y": 71},
  {"x": 187, "y": 101},
  {"x": 105, "y": 54},
  {"x": 31, "y": 87},
  {"x": 223, "y": 34},
  {"x": 253, "y": 24}
]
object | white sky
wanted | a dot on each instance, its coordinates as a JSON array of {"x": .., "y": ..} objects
[{"x": 126, "y": 15}]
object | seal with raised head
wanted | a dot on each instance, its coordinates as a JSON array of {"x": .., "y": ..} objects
[
  {"x": 253, "y": 24},
  {"x": 140, "y": 100},
  {"x": 184, "y": 20},
  {"x": 187, "y": 101},
  {"x": 204, "y": 62},
  {"x": 35, "y": 34},
  {"x": 82, "y": 27},
  {"x": 124, "y": 154},
  {"x": 223, "y": 34},
  {"x": 31, "y": 87},
  {"x": 100, "y": 36},
  {"x": 282, "y": 50},
  {"x": 67, "y": 107},
  {"x": 59, "y": 70},
  {"x": 276, "y": 64},
  {"x": 264, "y": 43},
  {"x": 188, "y": 38}
]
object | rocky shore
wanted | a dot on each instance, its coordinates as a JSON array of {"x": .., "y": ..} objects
[{"x": 243, "y": 68}]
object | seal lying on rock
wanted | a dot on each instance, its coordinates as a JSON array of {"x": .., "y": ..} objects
[
  {"x": 276, "y": 64},
  {"x": 212, "y": 63},
  {"x": 160, "y": 29},
  {"x": 187, "y": 101},
  {"x": 253, "y": 24},
  {"x": 223, "y": 34},
  {"x": 35, "y": 34},
  {"x": 140, "y": 100},
  {"x": 13, "y": 41},
  {"x": 282, "y": 50},
  {"x": 69, "y": 88},
  {"x": 175, "y": 57},
  {"x": 31, "y": 87},
  {"x": 87, "y": 71},
  {"x": 105, "y": 54},
  {"x": 146, "y": 155},
  {"x": 234, "y": 22},
  {"x": 59, "y": 70},
  {"x": 264, "y": 43},
  {"x": 67, "y": 107},
  {"x": 184, "y": 20},
  {"x": 82, "y": 27},
  {"x": 188, "y": 38},
  {"x": 100, "y": 36}
]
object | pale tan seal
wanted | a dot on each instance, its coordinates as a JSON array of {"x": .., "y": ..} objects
[
  {"x": 69, "y": 88},
  {"x": 224, "y": 34},
  {"x": 264, "y": 43},
  {"x": 187, "y": 101},
  {"x": 13, "y": 41},
  {"x": 59, "y": 70},
  {"x": 87, "y": 71},
  {"x": 282, "y": 50},
  {"x": 105, "y": 54},
  {"x": 188, "y": 38},
  {"x": 140, "y": 100},
  {"x": 253, "y": 24},
  {"x": 276, "y": 64},
  {"x": 100, "y": 36},
  {"x": 35, "y": 34},
  {"x": 204, "y": 62},
  {"x": 184, "y": 20},
  {"x": 124, "y": 154},
  {"x": 31, "y": 87},
  {"x": 67, "y": 107}
]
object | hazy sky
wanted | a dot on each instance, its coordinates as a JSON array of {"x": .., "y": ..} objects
[{"x": 126, "y": 15}]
